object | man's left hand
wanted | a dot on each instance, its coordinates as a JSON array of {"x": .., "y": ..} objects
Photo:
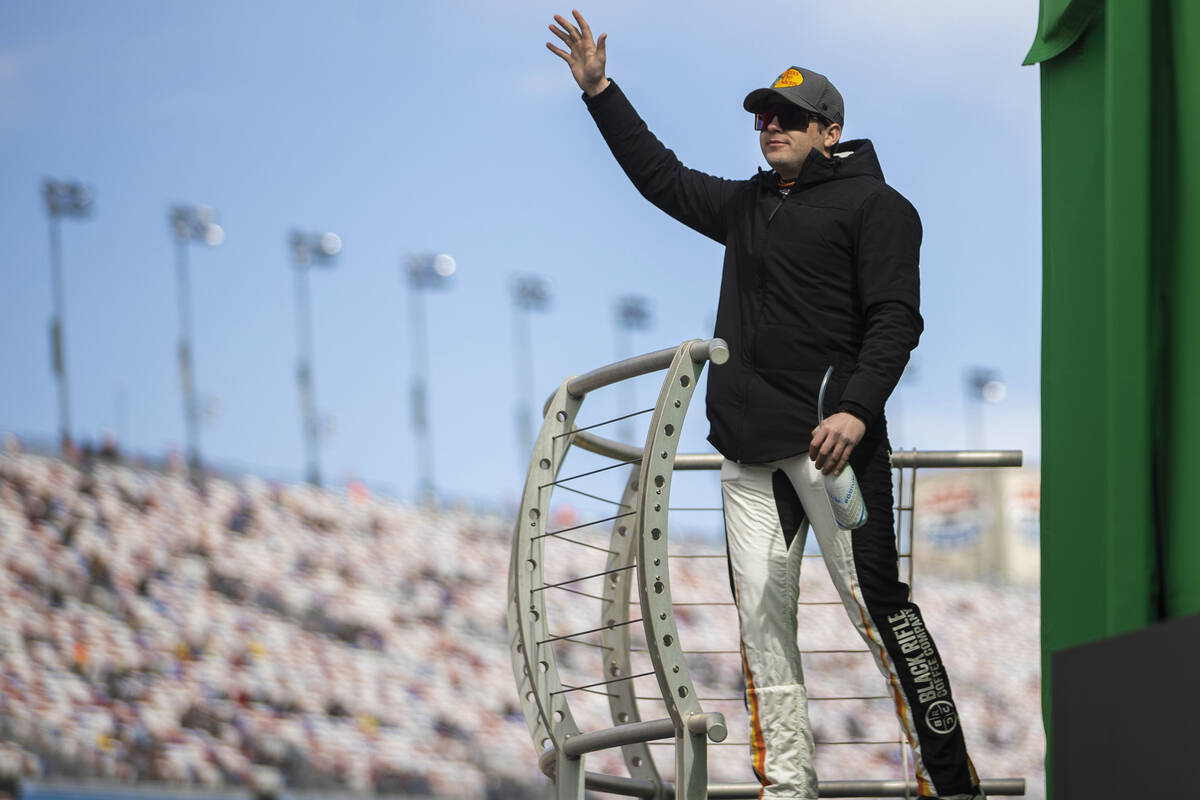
[{"x": 834, "y": 440}]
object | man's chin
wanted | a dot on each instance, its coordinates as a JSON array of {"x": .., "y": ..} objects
[
  {"x": 783, "y": 166},
  {"x": 786, "y": 171}
]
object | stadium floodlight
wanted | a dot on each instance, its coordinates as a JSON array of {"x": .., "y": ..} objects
[
  {"x": 983, "y": 385},
  {"x": 633, "y": 314},
  {"x": 196, "y": 224},
  {"x": 424, "y": 271},
  {"x": 529, "y": 293},
  {"x": 67, "y": 198},
  {"x": 429, "y": 270},
  {"x": 190, "y": 224},
  {"x": 309, "y": 250},
  {"x": 62, "y": 199}
]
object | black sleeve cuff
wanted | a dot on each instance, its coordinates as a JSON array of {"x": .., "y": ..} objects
[
  {"x": 603, "y": 96},
  {"x": 860, "y": 411}
]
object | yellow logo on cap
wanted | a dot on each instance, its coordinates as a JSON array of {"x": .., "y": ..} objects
[{"x": 790, "y": 78}]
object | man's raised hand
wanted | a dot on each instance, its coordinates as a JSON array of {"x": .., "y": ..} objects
[{"x": 587, "y": 55}]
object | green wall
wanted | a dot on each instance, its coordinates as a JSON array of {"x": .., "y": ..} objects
[{"x": 1120, "y": 107}]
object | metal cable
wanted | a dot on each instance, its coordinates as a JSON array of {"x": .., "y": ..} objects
[
  {"x": 589, "y": 546},
  {"x": 584, "y": 594},
  {"x": 574, "y": 431},
  {"x": 584, "y": 525},
  {"x": 593, "y": 630},
  {"x": 595, "y": 691},
  {"x": 583, "y": 578},
  {"x": 596, "y": 497},
  {"x": 618, "y": 465},
  {"x": 597, "y": 645},
  {"x": 566, "y": 689}
]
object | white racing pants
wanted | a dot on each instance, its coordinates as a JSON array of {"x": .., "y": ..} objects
[{"x": 768, "y": 510}]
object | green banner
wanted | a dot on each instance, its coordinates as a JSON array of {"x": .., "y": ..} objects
[
  {"x": 1060, "y": 23},
  {"x": 1120, "y": 318}
]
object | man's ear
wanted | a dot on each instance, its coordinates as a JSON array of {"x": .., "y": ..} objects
[{"x": 833, "y": 135}]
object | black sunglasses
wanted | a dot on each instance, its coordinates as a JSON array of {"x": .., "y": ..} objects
[{"x": 791, "y": 118}]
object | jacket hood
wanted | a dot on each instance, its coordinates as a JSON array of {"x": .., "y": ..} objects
[{"x": 854, "y": 158}]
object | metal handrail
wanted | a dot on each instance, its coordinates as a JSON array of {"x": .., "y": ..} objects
[
  {"x": 547, "y": 712},
  {"x": 717, "y": 351},
  {"x": 544, "y": 702},
  {"x": 925, "y": 459},
  {"x": 701, "y": 350}
]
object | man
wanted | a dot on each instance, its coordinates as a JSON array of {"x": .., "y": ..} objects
[{"x": 820, "y": 270}]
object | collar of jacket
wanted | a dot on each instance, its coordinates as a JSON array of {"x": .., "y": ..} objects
[{"x": 851, "y": 159}]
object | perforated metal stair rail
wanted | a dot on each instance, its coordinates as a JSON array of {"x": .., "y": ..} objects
[{"x": 637, "y": 548}]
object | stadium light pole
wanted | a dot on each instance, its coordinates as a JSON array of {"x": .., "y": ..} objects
[
  {"x": 529, "y": 293},
  {"x": 424, "y": 271},
  {"x": 63, "y": 199},
  {"x": 983, "y": 385},
  {"x": 309, "y": 250},
  {"x": 633, "y": 314},
  {"x": 190, "y": 224}
]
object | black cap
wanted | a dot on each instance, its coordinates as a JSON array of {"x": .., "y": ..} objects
[{"x": 803, "y": 87}]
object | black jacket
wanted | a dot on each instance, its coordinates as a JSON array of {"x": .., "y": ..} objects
[{"x": 824, "y": 275}]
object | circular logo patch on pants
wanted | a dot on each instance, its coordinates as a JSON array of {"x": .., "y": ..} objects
[{"x": 941, "y": 717}]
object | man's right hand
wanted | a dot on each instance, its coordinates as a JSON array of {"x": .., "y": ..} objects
[{"x": 587, "y": 56}]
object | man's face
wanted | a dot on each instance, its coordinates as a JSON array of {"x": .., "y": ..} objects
[{"x": 789, "y": 135}]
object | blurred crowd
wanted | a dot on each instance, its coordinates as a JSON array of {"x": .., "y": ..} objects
[{"x": 153, "y": 631}]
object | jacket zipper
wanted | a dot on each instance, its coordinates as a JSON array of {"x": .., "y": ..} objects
[{"x": 783, "y": 193}]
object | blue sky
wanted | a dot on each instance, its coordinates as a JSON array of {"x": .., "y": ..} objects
[{"x": 447, "y": 126}]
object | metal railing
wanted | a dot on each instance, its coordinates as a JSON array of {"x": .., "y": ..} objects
[{"x": 638, "y": 546}]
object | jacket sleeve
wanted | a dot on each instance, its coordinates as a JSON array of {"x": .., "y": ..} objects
[
  {"x": 889, "y": 291},
  {"x": 694, "y": 198}
]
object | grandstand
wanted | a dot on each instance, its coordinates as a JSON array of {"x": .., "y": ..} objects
[{"x": 151, "y": 632}]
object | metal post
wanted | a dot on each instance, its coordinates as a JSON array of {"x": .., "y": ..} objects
[
  {"x": 190, "y": 224},
  {"x": 420, "y": 408},
  {"x": 569, "y": 777},
  {"x": 906, "y": 765},
  {"x": 633, "y": 313},
  {"x": 57, "y": 333},
  {"x": 624, "y": 345},
  {"x": 309, "y": 250},
  {"x": 523, "y": 355},
  {"x": 122, "y": 418},
  {"x": 304, "y": 342},
  {"x": 62, "y": 198},
  {"x": 983, "y": 385},
  {"x": 191, "y": 426},
  {"x": 523, "y": 373},
  {"x": 691, "y": 765},
  {"x": 530, "y": 294},
  {"x": 425, "y": 271},
  {"x": 973, "y": 416}
]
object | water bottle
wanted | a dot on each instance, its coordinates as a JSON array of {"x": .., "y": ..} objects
[{"x": 845, "y": 495}]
